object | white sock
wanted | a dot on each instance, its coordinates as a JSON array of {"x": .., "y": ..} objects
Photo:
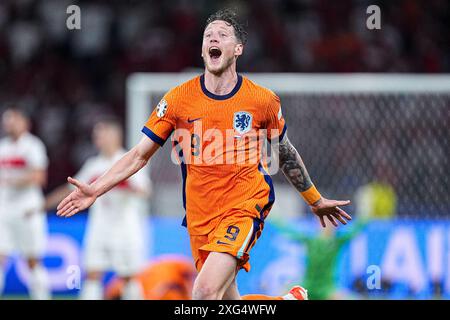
[
  {"x": 2, "y": 280},
  {"x": 91, "y": 290},
  {"x": 39, "y": 284},
  {"x": 132, "y": 290}
]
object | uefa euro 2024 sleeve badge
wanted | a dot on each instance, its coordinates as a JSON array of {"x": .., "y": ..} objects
[
  {"x": 161, "y": 108},
  {"x": 242, "y": 122}
]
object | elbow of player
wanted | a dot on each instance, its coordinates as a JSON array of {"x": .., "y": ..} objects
[{"x": 140, "y": 159}]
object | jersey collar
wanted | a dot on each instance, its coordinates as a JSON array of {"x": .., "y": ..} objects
[{"x": 220, "y": 97}]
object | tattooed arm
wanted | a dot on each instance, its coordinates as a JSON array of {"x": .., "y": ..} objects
[
  {"x": 295, "y": 171},
  {"x": 293, "y": 167}
]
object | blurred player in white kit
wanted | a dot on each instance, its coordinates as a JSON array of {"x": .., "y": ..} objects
[
  {"x": 23, "y": 223},
  {"x": 114, "y": 238}
]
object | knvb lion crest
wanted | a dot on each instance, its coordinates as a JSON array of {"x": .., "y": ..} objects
[{"x": 242, "y": 122}]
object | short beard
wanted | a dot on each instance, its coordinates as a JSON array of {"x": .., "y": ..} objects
[{"x": 220, "y": 71}]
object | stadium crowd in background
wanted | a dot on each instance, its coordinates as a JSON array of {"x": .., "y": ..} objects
[{"x": 59, "y": 74}]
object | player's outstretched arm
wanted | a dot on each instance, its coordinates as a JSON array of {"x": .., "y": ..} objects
[
  {"x": 85, "y": 195},
  {"x": 295, "y": 171}
]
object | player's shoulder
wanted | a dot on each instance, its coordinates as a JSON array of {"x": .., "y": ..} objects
[
  {"x": 93, "y": 161},
  {"x": 100, "y": 160},
  {"x": 4, "y": 139},
  {"x": 184, "y": 90},
  {"x": 92, "y": 164},
  {"x": 33, "y": 140},
  {"x": 4, "y": 142},
  {"x": 260, "y": 92}
]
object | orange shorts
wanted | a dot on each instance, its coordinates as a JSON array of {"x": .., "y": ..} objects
[{"x": 235, "y": 234}]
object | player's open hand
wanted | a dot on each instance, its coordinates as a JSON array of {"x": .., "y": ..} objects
[
  {"x": 330, "y": 209},
  {"x": 82, "y": 198}
]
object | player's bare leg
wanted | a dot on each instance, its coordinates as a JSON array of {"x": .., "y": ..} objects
[
  {"x": 215, "y": 277},
  {"x": 217, "y": 280},
  {"x": 39, "y": 284},
  {"x": 232, "y": 293},
  {"x": 92, "y": 287}
]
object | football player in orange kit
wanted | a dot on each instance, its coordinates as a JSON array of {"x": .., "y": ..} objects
[{"x": 214, "y": 117}]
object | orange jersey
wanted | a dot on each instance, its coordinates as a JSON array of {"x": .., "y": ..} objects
[{"x": 217, "y": 139}]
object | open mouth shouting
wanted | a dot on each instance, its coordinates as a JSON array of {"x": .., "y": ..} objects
[{"x": 214, "y": 54}]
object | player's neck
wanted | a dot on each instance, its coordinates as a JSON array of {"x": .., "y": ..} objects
[
  {"x": 17, "y": 135},
  {"x": 221, "y": 84}
]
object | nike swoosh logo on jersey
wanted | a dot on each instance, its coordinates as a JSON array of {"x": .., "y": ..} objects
[{"x": 192, "y": 120}]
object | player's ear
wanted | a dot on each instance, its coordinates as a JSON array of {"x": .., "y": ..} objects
[{"x": 238, "y": 49}]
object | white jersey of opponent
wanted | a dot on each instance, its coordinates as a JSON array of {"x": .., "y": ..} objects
[
  {"x": 17, "y": 158},
  {"x": 116, "y": 232},
  {"x": 23, "y": 224},
  {"x": 121, "y": 205}
]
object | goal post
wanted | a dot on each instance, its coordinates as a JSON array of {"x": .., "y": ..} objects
[{"x": 351, "y": 130}]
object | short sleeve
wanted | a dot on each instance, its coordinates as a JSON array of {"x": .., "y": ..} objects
[
  {"x": 275, "y": 124},
  {"x": 38, "y": 156},
  {"x": 162, "y": 121}
]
